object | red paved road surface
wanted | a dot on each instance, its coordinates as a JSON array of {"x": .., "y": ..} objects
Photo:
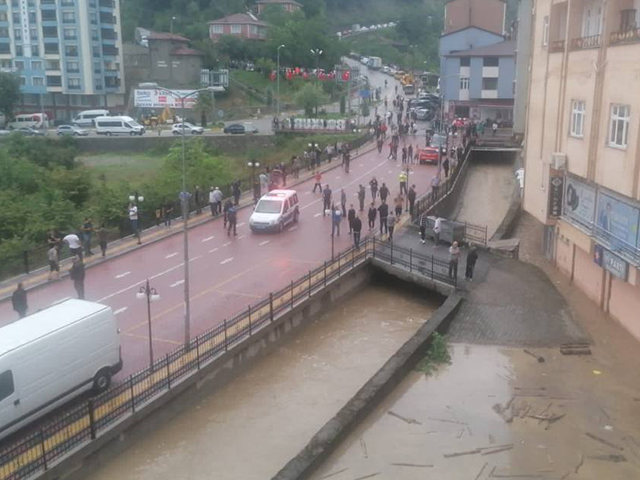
[{"x": 227, "y": 274}]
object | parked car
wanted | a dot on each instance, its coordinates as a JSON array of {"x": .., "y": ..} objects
[
  {"x": 274, "y": 211},
  {"x": 189, "y": 129},
  {"x": 424, "y": 114},
  {"x": 72, "y": 131},
  {"x": 5, "y": 132},
  {"x": 31, "y": 132},
  {"x": 437, "y": 146},
  {"x": 239, "y": 129}
]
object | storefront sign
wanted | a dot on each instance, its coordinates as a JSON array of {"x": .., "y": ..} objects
[
  {"x": 610, "y": 262},
  {"x": 617, "y": 220},
  {"x": 556, "y": 189},
  {"x": 26, "y": 28},
  {"x": 151, "y": 98},
  {"x": 579, "y": 201}
]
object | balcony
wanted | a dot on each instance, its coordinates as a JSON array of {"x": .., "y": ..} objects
[
  {"x": 556, "y": 46},
  {"x": 583, "y": 43},
  {"x": 631, "y": 35}
]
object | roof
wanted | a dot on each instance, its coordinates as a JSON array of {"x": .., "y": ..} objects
[
  {"x": 471, "y": 26},
  {"x": 166, "y": 36},
  {"x": 187, "y": 51},
  {"x": 236, "y": 18},
  {"x": 502, "y": 49},
  {"x": 272, "y": 2},
  {"x": 45, "y": 322}
]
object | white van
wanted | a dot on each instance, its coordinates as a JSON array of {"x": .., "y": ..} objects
[
  {"x": 34, "y": 120},
  {"x": 87, "y": 118},
  {"x": 117, "y": 126},
  {"x": 275, "y": 210},
  {"x": 54, "y": 355}
]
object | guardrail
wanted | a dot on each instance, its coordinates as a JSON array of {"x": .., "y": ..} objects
[{"x": 37, "y": 450}]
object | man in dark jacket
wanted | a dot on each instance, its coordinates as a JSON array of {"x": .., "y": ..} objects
[
  {"x": 472, "y": 258},
  {"x": 232, "y": 219},
  {"x": 77, "y": 275},
  {"x": 373, "y": 212},
  {"x": 228, "y": 205},
  {"x": 351, "y": 216},
  {"x": 197, "y": 196},
  {"x": 357, "y": 230},
  {"x": 411, "y": 196},
  {"x": 384, "y": 192},
  {"x": 19, "y": 301},
  {"x": 326, "y": 199},
  {"x": 361, "y": 194},
  {"x": 236, "y": 192},
  {"x": 383, "y": 210}
]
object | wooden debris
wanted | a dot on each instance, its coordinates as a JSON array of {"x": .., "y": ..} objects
[
  {"x": 500, "y": 411},
  {"x": 460, "y": 433},
  {"x": 460, "y": 454},
  {"x": 469, "y": 429},
  {"x": 580, "y": 463},
  {"x": 603, "y": 441},
  {"x": 493, "y": 447},
  {"x": 498, "y": 450},
  {"x": 411, "y": 421},
  {"x": 550, "y": 419},
  {"x": 575, "y": 349},
  {"x": 363, "y": 445},
  {"x": 481, "y": 471},
  {"x": 610, "y": 458},
  {"x": 522, "y": 475},
  {"x": 565, "y": 475},
  {"x": 540, "y": 359},
  {"x": 493, "y": 470},
  {"x": 447, "y": 421},
  {"x": 334, "y": 473},
  {"x": 508, "y": 404},
  {"x": 492, "y": 440},
  {"x": 368, "y": 476},
  {"x": 412, "y": 465}
]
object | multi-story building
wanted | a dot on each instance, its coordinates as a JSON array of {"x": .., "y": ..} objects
[
  {"x": 582, "y": 137},
  {"x": 286, "y": 5},
  {"x": 243, "y": 25},
  {"x": 67, "y": 54}
]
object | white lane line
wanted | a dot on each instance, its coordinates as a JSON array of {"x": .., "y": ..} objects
[
  {"x": 208, "y": 239},
  {"x": 179, "y": 282},
  {"x": 240, "y": 224},
  {"x": 241, "y": 237},
  {"x": 317, "y": 215},
  {"x": 361, "y": 164},
  {"x": 226, "y": 261},
  {"x": 60, "y": 301},
  {"x": 293, "y": 228},
  {"x": 262, "y": 244},
  {"x": 214, "y": 250},
  {"x": 171, "y": 255},
  {"x": 137, "y": 284},
  {"x": 121, "y": 310},
  {"x": 122, "y": 275},
  {"x": 390, "y": 171},
  {"x": 308, "y": 193},
  {"x": 337, "y": 178},
  {"x": 226, "y": 244},
  {"x": 195, "y": 258}
]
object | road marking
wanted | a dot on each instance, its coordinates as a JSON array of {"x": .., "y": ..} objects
[
  {"x": 121, "y": 310},
  {"x": 179, "y": 282},
  {"x": 214, "y": 250},
  {"x": 230, "y": 259},
  {"x": 60, "y": 301},
  {"x": 137, "y": 284},
  {"x": 171, "y": 255},
  {"x": 337, "y": 178},
  {"x": 262, "y": 244},
  {"x": 240, "y": 225},
  {"x": 208, "y": 239},
  {"x": 317, "y": 215},
  {"x": 361, "y": 164},
  {"x": 241, "y": 237},
  {"x": 226, "y": 244},
  {"x": 293, "y": 228},
  {"x": 195, "y": 258},
  {"x": 390, "y": 171},
  {"x": 122, "y": 275}
]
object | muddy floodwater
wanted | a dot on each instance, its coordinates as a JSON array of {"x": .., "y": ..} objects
[{"x": 251, "y": 427}]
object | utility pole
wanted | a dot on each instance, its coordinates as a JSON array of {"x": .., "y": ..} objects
[{"x": 278, "y": 82}]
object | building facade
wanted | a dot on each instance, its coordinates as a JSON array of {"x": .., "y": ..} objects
[
  {"x": 67, "y": 54},
  {"x": 286, "y": 5},
  {"x": 243, "y": 25},
  {"x": 582, "y": 147},
  {"x": 488, "y": 15}
]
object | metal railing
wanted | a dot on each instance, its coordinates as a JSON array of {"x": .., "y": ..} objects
[
  {"x": 629, "y": 35},
  {"x": 39, "y": 448},
  {"x": 556, "y": 46},
  {"x": 581, "y": 43}
]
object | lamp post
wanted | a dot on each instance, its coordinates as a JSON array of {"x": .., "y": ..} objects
[
  {"x": 171, "y": 24},
  {"x": 184, "y": 197},
  {"x": 317, "y": 52},
  {"x": 151, "y": 295},
  {"x": 256, "y": 189},
  {"x": 278, "y": 82}
]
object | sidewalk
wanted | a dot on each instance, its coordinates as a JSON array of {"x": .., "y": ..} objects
[{"x": 39, "y": 277}]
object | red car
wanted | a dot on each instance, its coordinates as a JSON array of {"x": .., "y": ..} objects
[{"x": 428, "y": 155}]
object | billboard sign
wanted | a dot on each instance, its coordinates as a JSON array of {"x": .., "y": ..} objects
[
  {"x": 579, "y": 202},
  {"x": 610, "y": 262},
  {"x": 556, "y": 190},
  {"x": 152, "y": 98},
  {"x": 617, "y": 220}
]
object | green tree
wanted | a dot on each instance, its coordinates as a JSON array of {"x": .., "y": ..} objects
[
  {"x": 205, "y": 104},
  {"x": 309, "y": 98},
  {"x": 9, "y": 93},
  {"x": 266, "y": 66}
]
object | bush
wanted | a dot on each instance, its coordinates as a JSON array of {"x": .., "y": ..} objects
[{"x": 437, "y": 354}]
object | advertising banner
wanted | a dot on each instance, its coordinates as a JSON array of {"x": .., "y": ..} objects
[
  {"x": 556, "y": 184},
  {"x": 579, "y": 201},
  {"x": 617, "y": 219},
  {"x": 610, "y": 262},
  {"x": 152, "y": 98}
]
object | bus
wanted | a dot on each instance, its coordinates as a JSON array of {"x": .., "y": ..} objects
[{"x": 35, "y": 120}]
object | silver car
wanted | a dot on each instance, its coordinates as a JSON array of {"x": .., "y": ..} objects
[{"x": 72, "y": 131}]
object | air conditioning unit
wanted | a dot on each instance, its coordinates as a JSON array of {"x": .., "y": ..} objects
[{"x": 558, "y": 161}]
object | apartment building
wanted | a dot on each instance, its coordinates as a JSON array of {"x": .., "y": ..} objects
[
  {"x": 243, "y": 25},
  {"x": 67, "y": 54},
  {"x": 582, "y": 146}
]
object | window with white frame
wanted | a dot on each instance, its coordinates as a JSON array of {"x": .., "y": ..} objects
[
  {"x": 38, "y": 81},
  {"x": 578, "y": 112},
  {"x": 219, "y": 29},
  {"x": 236, "y": 28},
  {"x": 545, "y": 31},
  {"x": 619, "y": 129},
  {"x": 464, "y": 83}
]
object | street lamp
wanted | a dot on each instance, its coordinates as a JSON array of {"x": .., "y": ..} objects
[
  {"x": 256, "y": 191},
  {"x": 317, "y": 52},
  {"x": 171, "y": 24},
  {"x": 151, "y": 295},
  {"x": 135, "y": 198},
  {"x": 278, "y": 82},
  {"x": 184, "y": 197}
]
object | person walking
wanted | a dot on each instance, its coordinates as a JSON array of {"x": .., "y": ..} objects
[
  {"x": 212, "y": 203},
  {"x": 423, "y": 229},
  {"x": 236, "y": 192},
  {"x": 361, "y": 194},
  {"x": 494, "y": 128},
  {"x": 435, "y": 187},
  {"x": 357, "y": 231},
  {"x": 198, "y": 198},
  {"x": 398, "y": 203},
  {"x": 264, "y": 183},
  {"x": 77, "y": 275},
  {"x": 373, "y": 185},
  {"x": 343, "y": 202},
  {"x": 228, "y": 205},
  {"x": 102, "y": 239},
  {"x": 326, "y": 199},
  {"x": 373, "y": 212},
  {"x": 336, "y": 218},
  {"x": 384, "y": 192},
  {"x": 75, "y": 247},
  {"x": 317, "y": 184},
  {"x": 383, "y": 211},
  {"x": 410, "y": 153},
  {"x": 380, "y": 144},
  {"x": 217, "y": 201},
  {"x": 87, "y": 231},
  {"x": 391, "y": 224},
  {"x": 232, "y": 220},
  {"x": 351, "y": 216},
  {"x": 402, "y": 179},
  {"x": 133, "y": 218},
  {"x": 454, "y": 257},
  {"x": 445, "y": 167},
  {"x": 19, "y": 301},
  {"x": 404, "y": 155},
  {"x": 472, "y": 258},
  {"x": 346, "y": 160},
  {"x": 167, "y": 213},
  {"x": 411, "y": 196},
  {"x": 54, "y": 263},
  {"x": 437, "y": 227}
]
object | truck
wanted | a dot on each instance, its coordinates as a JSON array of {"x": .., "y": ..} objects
[
  {"x": 54, "y": 355},
  {"x": 375, "y": 63}
]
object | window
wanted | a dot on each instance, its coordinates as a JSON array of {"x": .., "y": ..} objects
[
  {"x": 73, "y": 67},
  {"x": 19, "y": 52},
  {"x": 54, "y": 81},
  {"x": 5, "y": 48},
  {"x": 23, "y": 81},
  {"x": 17, "y": 34},
  {"x": 236, "y": 28},
  {"x": 218, "y": 29},
  {"x": 48, "y": 15},
  {"x": 98, "y": 84},
  {"x": 578, "y": 109},
  {"x": 19, "y": 64},
  {"x": 97, "y": 67},
  {"x": 253, "y": 29},
  {"x": 619, "y": 131},
  {"x": 491, "y": 61},
  {"x": 592, "y": 19},
  {"x": 35, "y": 50},
  {"x": 71, "y": 51},
  {"x": 489, "y": 84},
  {"x": 32, "y": 17},
  {"x": 3, "y": 16},
  {"x": 50, "y": 32},
  {"x": 51, "y": 48},
  {"x": 68, "y": 17},
  {"x": 465, "y": 61},
  {"x": 70, "y": 34},
  {"x": 38, "y": 81},
  {"x": 16, "y": 17},
  {"x": 6, "y": 64},
  {"x": 52, "y": 64},
  {"x": 33, "y": 33},
  {"x": 73, "y": 83},
  {"x": 464, "y": 83},
  {"x": 545, "y": 31},
  {"x": 4, "y": 32},
  {"x": 93, "y": 18},
  {"x": 6, "y": 384}
]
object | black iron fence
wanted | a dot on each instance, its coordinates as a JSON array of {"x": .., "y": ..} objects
[{"x": 38, "y": 449}]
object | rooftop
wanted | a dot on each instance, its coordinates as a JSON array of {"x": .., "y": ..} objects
[
  {"x": 166, "y": 36},
  {"x": 502, "y": 49},
  {"x": 238, "y": 18}
]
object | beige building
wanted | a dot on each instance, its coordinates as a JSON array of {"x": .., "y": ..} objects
[{"x": 582, "y": 146}]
